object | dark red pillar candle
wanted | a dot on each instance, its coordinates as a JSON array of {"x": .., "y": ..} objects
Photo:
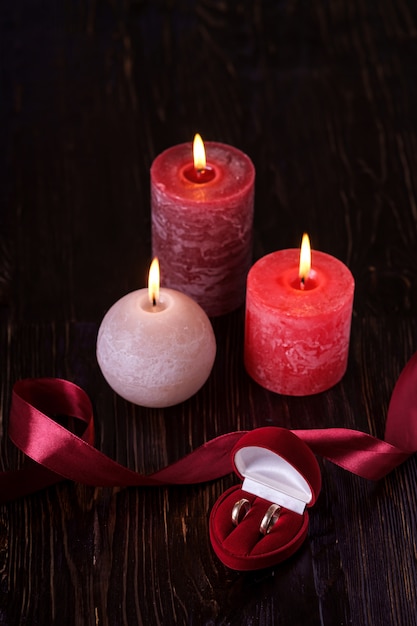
[{"x": 202, "y": 224}]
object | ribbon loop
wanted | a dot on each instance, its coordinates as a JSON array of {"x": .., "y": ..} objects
[{"x": 57, "y": 453}]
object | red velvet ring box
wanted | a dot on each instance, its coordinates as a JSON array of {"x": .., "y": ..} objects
[{"x": 276, "y": 467}]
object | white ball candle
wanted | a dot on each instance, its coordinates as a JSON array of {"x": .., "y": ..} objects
[{"x": 156, "y": 348}]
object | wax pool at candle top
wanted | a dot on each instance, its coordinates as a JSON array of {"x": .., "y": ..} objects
[
  {"x": 202, "y": 231},
  {"x": 296, "y": 340},
  {"x": 156, "y": 356}
]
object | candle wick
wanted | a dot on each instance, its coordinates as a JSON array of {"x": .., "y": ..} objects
[
  {"x": 302, "y": 282},
  {"x": 153, "y": 301}
]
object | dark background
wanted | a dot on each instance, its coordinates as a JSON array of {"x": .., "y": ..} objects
[{"x": 322, "y": 95}]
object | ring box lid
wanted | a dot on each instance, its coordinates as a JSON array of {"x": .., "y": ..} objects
[{"x": 278, "y": 466}]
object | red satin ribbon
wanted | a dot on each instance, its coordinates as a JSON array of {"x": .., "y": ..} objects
[{"x": 61, "y": 454}]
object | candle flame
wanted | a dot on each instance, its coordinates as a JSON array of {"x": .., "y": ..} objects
[
  {"x": 199, "y": 154},
  {"x": 153, "y": 282},
  {"x": 305, "y": 259}
]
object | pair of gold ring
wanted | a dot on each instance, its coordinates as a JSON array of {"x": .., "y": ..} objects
[{"x": 242, "y": 507}]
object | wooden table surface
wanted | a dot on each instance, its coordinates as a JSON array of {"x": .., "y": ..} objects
[{"x": 323, "y": 97}]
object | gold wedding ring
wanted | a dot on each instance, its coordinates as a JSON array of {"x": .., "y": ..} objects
[
  {"x": 269, "y": 519},
  {"x": 240, "y": 510}
]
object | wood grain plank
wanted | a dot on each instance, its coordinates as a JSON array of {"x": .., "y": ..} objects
[{"x": 322, "y": 97}]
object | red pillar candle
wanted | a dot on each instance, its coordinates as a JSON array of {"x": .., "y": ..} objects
[
  {"x": 297, "y": 324},
  {"x": 202, "y": 216}
]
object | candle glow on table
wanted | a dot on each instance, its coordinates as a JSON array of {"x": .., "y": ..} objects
[
  {"x": 297, "y": 324},
  {"x": 156, "y": 347},
  {"x": 202, "y": 218}
]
